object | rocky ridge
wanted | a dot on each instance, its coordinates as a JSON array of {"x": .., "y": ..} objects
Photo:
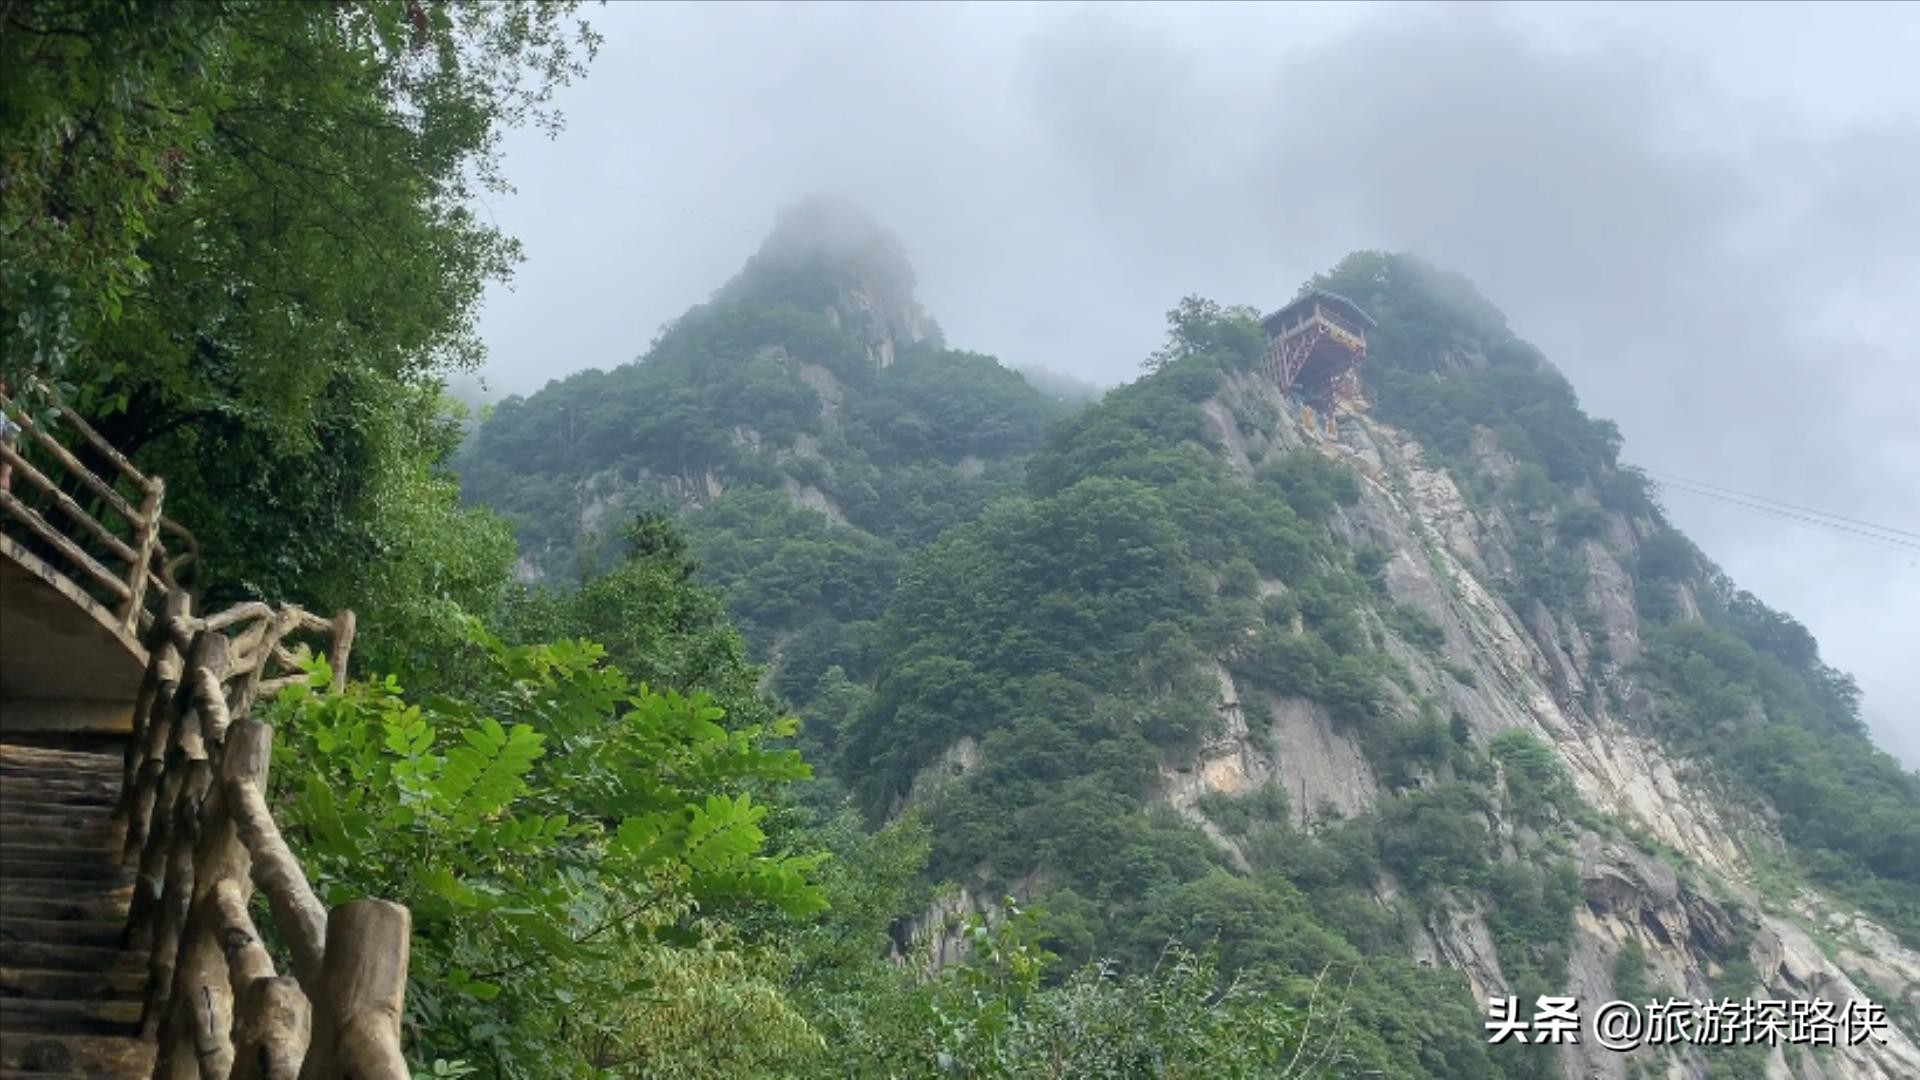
[{"x": 1680, "y": 870}]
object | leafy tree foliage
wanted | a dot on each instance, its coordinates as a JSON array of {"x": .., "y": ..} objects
[
  {"x": 1537, "y": 786},
  {"x": 554, "y": 857},
  {"x": 784, "y": 568},
  {"x": 1200, "y": 327},
  {"x": 1851, "y": 812},
  {"x": 1066, "y": 635},
  {"x": 997, "y": 1017},
  {"x": 238, "y": 235},
  {"x": 736, "y": 400},
  {"x": 654, "y": 621}
]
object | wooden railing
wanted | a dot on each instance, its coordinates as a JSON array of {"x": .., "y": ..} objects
[
  {"x": 193, "y": 792},
  {"x": 110, "y": 519},
  {"x": 203, "y": 838},
  {"x": 1341, "y": 323}
]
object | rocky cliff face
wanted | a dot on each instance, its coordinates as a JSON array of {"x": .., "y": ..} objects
[
  {"x": 1689, "y": 907},
  {"x": 1673, "y": 869}
]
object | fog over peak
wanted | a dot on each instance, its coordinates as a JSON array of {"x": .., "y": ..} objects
[
  {"x": 832, "y": 226},
  {"x": 1704, "y": 216}
]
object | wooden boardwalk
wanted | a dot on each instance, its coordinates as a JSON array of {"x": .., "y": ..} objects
[
  {"x": 134, "y": 826},
  {"x": 70, "y": 994}
]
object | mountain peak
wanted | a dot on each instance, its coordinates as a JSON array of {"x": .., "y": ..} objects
[
  {"x": 828, "y": 254},
  {"x": 837, "y": 229}
]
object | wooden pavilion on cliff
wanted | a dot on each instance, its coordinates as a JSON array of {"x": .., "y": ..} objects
[{"x": 1314, "y": 346}]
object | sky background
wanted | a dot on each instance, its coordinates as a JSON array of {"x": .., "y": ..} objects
[{"x": 1705, "y": 215}]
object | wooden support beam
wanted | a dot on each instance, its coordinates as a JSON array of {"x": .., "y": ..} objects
[
  {"x": 157, "y": 687},
  {"x": 192, "y": 795},
  {"x": 218, "y": 948},
  {"x": 297, "y": 912},
  {"x": 343, "y": 628},
  {"x": 176, "y": 890}
]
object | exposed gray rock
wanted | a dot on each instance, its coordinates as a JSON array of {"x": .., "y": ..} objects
[
  {"x": 954, "y": 762},
  {"x": 1228, "y": 431},
  {"x": 808, "y": 497},
  {"x": 1455, "y": 934},
  {"x": 1491, "y": 461},
  {"x": 1561, "y": 668},
  {"x": 1689, "y": 604},
  {"x": 936, "y": 937},
  {"x": 1320, "y": 768},
  {"x": 828, "y": 389},
  {"x": 1795, "y": 967},
  {"x": 1610, "y": 593},
  {"x": 1621, "y": 540}
]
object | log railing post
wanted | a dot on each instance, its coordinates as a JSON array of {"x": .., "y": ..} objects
[
  {"x": 54, "y": 538},
  {"x": 219, "y": 953},
  {"x": 274, "y": 1029},
  {"x": 51, "y": 474},
  {"x": 157, "y": 688},
  {"x": 296, "y": 910},
  {"x": 341, "y": 648},
  {"x": 356, "y": 1015},
  {"x": 182, "y": 837},
  {"x": 199, "y": 827},
  {"x": 162, "y": 777},
  {"x": 193, "y": 792},
  {"x": 146, "y": 536}
]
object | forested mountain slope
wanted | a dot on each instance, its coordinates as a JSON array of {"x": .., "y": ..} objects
[
  {"x": 809, "y": 421},
  {"x": 1439, "y": 702}
]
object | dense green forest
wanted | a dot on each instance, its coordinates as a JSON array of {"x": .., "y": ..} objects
[{"x": 686, "y": 689}]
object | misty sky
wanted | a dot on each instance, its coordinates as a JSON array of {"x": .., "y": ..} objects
[{"x": 1708, "y": 216}]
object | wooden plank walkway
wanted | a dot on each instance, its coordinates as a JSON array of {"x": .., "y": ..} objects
[{"x": 70, "y": 996}]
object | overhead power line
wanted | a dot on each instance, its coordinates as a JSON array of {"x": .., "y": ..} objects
[
  {"x": 1896, "y": 691},
  {"x": 1869, "y": 533},
  {"x": 1888, "y": 529}
]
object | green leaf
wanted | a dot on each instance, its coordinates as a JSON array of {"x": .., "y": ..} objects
[{"x": 443, "y": 884}]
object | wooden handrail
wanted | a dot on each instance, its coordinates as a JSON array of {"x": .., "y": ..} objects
[
  {"x": 203, "y": 837},
  {"x": 135, "y": 537},
  {"x": 1340, "y": 322},
  {"x": 73, "y": 510},
  {"x": 146, "y": 533},
  {"x": 44, "y": 530},
  {"x": 193, "y": 784},
  {"x": 93, "y": 438},
  {"x": 69, "y": 462}
]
